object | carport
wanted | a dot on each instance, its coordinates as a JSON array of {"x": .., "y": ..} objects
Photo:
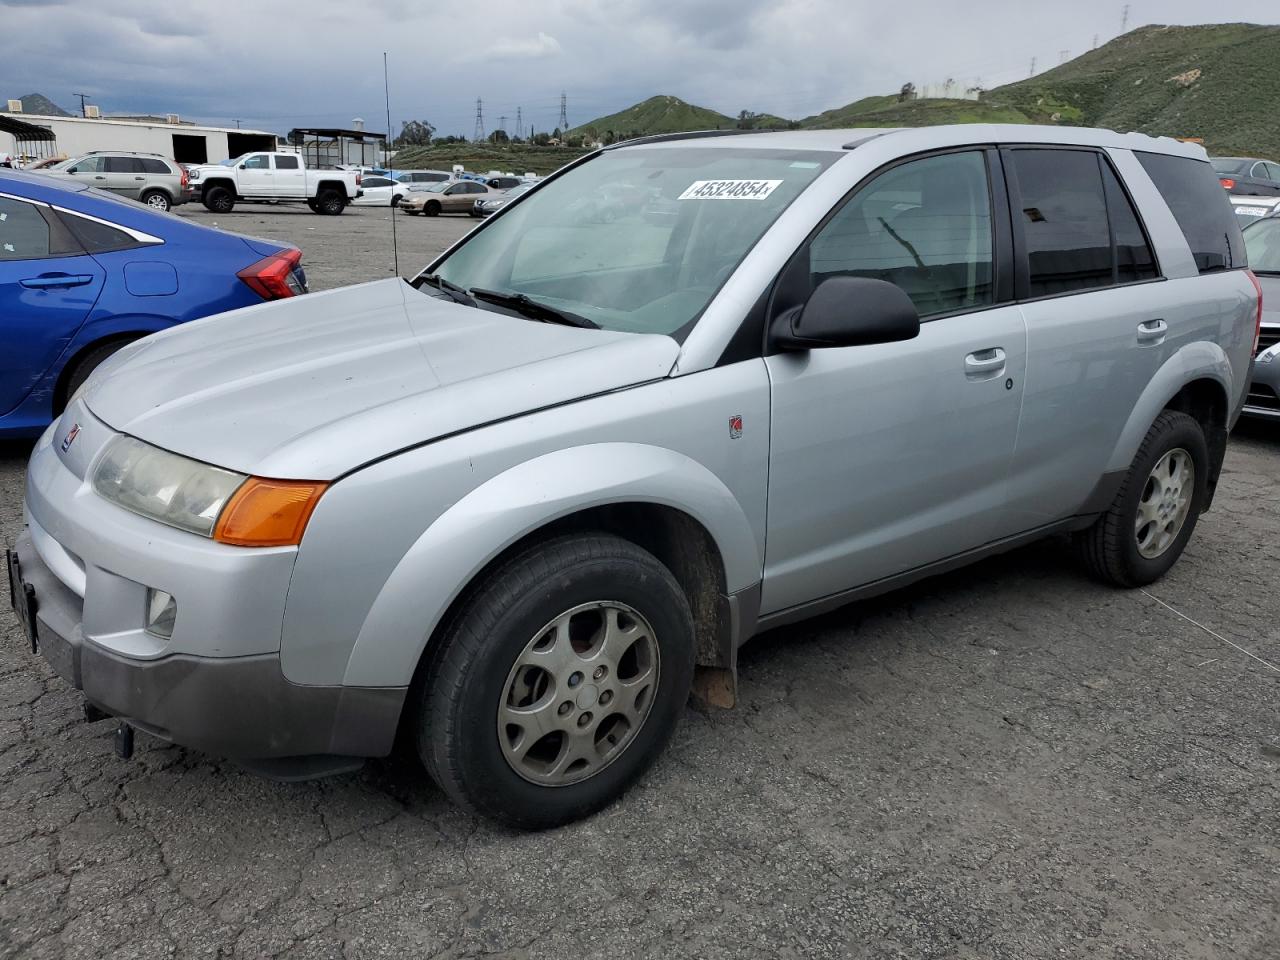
[
  {"x": 327, "y": 146},
  {"x": 30, "y": 141}
]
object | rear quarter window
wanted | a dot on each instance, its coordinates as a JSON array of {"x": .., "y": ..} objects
[{"x": 1201, "y": 207}]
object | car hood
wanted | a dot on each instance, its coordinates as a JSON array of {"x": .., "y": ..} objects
[{"x": 313, "y": 387}]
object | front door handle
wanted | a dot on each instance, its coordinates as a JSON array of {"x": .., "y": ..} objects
[
  {"x": 49, "y": 281},
  {"x": 985, "y": 364},
  {"x": 99, "y": 177},
  {"x": 1152, "y": 331}
]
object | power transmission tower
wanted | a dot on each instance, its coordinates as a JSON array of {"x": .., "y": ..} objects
[
  {"x": 479, "y": 134},
  {"x": 519, "y": 125},
  {"x": 1033, "y": 67},
  {"x": 1124, "y": 19},
  {"x": 1064, "y": 56},
  {"x": 1095, "y": 41},
  {"x": 83, "y": 97},
  {"x": 564, "y": 115}
]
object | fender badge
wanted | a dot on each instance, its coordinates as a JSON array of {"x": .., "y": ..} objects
[
  {"x": 735, "y": 428},
  {"x": 70, "y": 438}
]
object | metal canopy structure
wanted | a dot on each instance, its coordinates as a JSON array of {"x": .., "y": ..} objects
[
  {"x": 326, "y": 146},
  {"x": 30, "y": 141}
]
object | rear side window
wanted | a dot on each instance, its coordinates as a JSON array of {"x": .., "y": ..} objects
[
  {"x": 1064, "y": 221},
  {"x": 123, "y": 165},
  {"x": 24, "y": 235},
  {"x": 98, "y": 237},
  {"x": 154, "y": 165},
  {"x": 1200, "y": 206},
  {"x": 286, "y": 163},
  {"x": 1134, "y": 260}
]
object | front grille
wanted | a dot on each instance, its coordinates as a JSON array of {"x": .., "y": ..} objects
[
  {"x": 1269, "y": 337},
  {"x": 1260, "y": 395}
]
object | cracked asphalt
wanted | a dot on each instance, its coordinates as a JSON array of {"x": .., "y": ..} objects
[{"x": 1009, "y": 761}]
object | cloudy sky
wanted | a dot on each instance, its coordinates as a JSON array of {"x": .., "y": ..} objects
[{"x": 275, "y": 64}]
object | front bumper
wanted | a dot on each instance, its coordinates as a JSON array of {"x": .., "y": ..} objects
[
  {"x": 1264, "y": 391},
  {"x": 217, "y": 684}
]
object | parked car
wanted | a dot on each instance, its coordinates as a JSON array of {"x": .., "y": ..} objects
[
  {"x": 486, "y": 206},
  {"x": 512, "y": 511},
  {"x": 433, "y": 199},
  {"x": 1248, "y": 176},
  {"x": 84, "y": 273},
  {"x": 274, "y": 177},
  {"x": 1249, "y": 209},
  {"x": 503, "y": 182},
  {"x": 1262, "y": 240},
  {"x": 381, "y": 192},
  {"x": 46, "y": 162},
  {"x": 149, "y": 178},
  {"x": 422, "y": 176}
]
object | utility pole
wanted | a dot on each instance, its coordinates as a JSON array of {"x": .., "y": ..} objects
[
  {"x": 1033, "y": 67},
  {"x": 237, "y": 124},
  {"x": 83, "y": 97},
  {"x": 1124, "y": 19},
  {"x": 479, "y": 134},
  {"x": 564, "y": 114}
]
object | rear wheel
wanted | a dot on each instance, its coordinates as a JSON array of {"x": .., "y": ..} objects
[
  {"x": 219, "y": 200},
  {"x": 432, "y": 209},
  {"x": 558, "y": 683},
  {"x": 330, "y": 203},
  {"x": 1155, "y": 511},
  {"x": 156, "y": 200}
]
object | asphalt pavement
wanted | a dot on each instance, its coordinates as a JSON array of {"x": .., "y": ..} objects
[{"x": 1009, "y": 761}]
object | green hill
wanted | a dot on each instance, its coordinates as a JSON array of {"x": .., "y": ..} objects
[
  {"x": 656, "y": 115},
  {"x": 1219, "y": 83},
  {"x": 890, "y": 112},
  {"x": 41, "y": 105},
  {"x": 519, "y": 158}
]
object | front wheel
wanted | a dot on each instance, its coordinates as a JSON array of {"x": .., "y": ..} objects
[
  {"x": 1155, "y": 511},
  {"x": 219, "y": 200},
  {"x": 432, "y": 209},
  {"x": 395, "y": 200},
  {"x": 558, "y": 683}
]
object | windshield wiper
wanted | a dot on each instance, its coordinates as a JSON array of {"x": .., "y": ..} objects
[
  {"x": 450, "y": 289},
  {"x": 532, "y": 309}
]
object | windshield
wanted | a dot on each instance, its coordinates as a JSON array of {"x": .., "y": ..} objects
[
  {"x": 1262, "y": 243},
  {"x": 1230, "y": 164},
  {"x": 232, "y": 161},
  {"x": 637, "y": 240}
]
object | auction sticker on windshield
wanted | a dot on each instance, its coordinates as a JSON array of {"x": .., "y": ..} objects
[{"x": 729, "y": 189}]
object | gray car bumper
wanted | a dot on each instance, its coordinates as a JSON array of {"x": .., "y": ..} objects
[
  {"x": 1264, "y": 391},
  {"x": 237, "y": 707}
]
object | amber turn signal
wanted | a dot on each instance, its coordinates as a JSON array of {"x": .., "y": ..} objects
[{"x": 268, "y": 513}]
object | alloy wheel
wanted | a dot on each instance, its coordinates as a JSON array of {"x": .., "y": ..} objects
[{"x": 1165, "y": 503}]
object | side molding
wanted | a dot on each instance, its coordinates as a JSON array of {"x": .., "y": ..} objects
[{"x": 518, "y": 502}]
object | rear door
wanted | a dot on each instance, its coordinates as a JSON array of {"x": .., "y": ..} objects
[
  {"x": 290, "y": 178},
  {"x": 886, "y": 458},
  {"x": 124, "y": 175},
  {"x": 48, "y": 285}
]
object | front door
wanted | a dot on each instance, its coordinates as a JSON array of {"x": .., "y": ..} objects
[
  {"x": 255, "y": 176},
  {"x": 47, "y": 288},
  {"x": 886, "y": 458}
]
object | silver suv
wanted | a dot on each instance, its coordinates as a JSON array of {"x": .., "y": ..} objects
[
  {"x": 517, "y": 508},
  {"x": 150, "y": 178}
]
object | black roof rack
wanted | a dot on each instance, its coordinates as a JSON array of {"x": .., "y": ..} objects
[
  {"x": 875, "y": 136},
  {"x": 687, "y": 135}
]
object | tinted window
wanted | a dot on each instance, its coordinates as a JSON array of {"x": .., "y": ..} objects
[
  {"x": 377, "y": 182},
  {"x": 257, "y": 162},
  {"x": 123, "y": 165},
  {"x": 97, "y": 237},
  {"x": 1200, "y": 206},
  {"x": 1134, "y": 260},
  {"x": 154, "y": 165},
  {"x": 1262, "y": 240},
  {"x": 924, "y": 226},
  {"x": 1064, "y": 221},
  {"x": 286, "y": 163},
  {"x": 24, "y": 235},
  {"x": 1229, "y": 165}
]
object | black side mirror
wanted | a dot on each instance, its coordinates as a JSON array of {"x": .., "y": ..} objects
[{"x": 846, "y": 312}]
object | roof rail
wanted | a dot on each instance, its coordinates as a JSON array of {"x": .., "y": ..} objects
[
  {"x": 875, "y": 136},
  {"x": 688, "y": 135}
]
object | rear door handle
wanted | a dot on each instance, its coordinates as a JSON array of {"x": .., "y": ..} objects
[
  {"x": 50, "y": 281},
  {"x": 1152, "y": 331},
  {"x": 139, "y": 178},
  {"x": 985, "y": 364}
]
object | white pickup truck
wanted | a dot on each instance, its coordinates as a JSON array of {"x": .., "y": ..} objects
[{"x": 278, "y": 177}]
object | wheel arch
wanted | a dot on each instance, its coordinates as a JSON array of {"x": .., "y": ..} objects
[
  {"x": 121, "y": 336},
  {"x": 226, "y": 182},
  {"x": 658, "y": 499}
]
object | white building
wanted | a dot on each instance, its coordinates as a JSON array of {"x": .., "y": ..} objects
[{"x": 184, "y": 142}]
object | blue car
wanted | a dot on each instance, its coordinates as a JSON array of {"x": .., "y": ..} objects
[{"x": 82, "y": 273}]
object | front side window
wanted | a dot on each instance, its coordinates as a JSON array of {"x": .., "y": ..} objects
[
  {"x": 924, "y": 226},
  {"x": 24, "y": 234},
  {"x": 287, "y": 163},
  {"x": 640, "y": 239},
  {"x": 1064, "y": 221},
  {"x": 259, "y": 161},
  {"x": 87, "y": 165}
]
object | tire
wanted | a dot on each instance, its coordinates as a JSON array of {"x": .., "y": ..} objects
[
  {"x": 330, "y": 203},
  {"x": 584, "y": 581},
  {"x": 81, "y": 370},
  {"x": 156, "y": 200},
  {"x": 395, "y": 200},
  {"x": 1126, "y": 551},
  {"x": 313, "y": 206},
  {"x": 219, "y": 200},
  {"x": 432, "y": 209}
]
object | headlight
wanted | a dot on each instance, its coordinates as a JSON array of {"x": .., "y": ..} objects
[
  {"x": 161, "y": 485},
  {"x": 220, "y": 504}
]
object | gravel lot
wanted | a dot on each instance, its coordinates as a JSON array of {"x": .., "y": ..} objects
[{"x": 1005, "y": 762}]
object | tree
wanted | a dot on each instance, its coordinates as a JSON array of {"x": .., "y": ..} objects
[
  {"x": 499, "y": 136},
  {"x": 416, "y": 133},
  {"x": 908, "y": 92},
  {"x": 747, "y": 120}
]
